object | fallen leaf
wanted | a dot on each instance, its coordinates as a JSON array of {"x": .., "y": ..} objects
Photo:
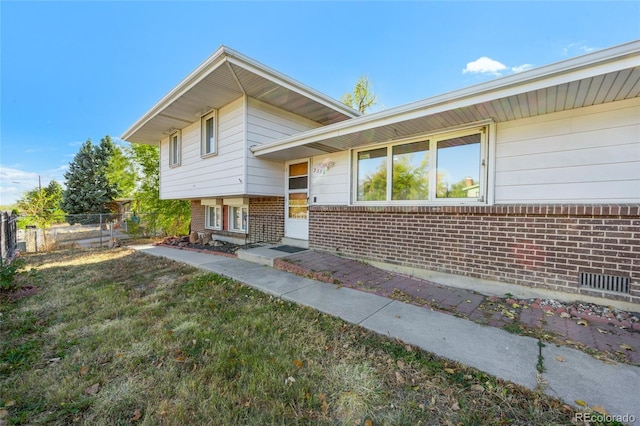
[
  {"x": 3, "y": 413},
  {"x": 93, "y": 389},
  {"x": 163, "y": 413},
  {"x": 399, "y": 378},
  {"x": 549, "y": 313},
  {"x": 136, "y": 416},
  {"x": 560, "y": 358},
  {"x": 400, "y": 363},
  {"x": 53, "y": 360},
  {"x": 455, "y": 406},
  {"x": 583, "y": 323},
  {"x": 84, "y": 370},
  {"x": 626, "y": 347},
  {"x": 602, "y": 331},
  {"x": 599, "y": 409},
  {"x": 180, "y": 358},
  {"x": 478, "y": 388},
  {"x": 9, "y": 403},
  {"x": 298, "y": 363},
  {"x": 581, "y": 403},
  {"x": 515, "y": 305},
  {"x": 468, "y": 301},
  {"x": 450, "y": 370},
  {"x": 408, "y": 348},
  {"x": 565, "y": 315},
  {"x": 289, "y": 380}
]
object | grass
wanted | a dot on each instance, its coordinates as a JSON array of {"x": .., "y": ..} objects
[{"x": 119, "y": 337}]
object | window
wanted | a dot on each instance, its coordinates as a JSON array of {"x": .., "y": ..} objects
[
  {"x": 238, "y": 218},
  {"x": 213, "y": 217},
  {"x": 174, "y": 149},
  {"x": 208, "y": 125},
  {"x": 438, "y": 168}
]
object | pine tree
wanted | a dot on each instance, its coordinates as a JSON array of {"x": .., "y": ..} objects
[{"x": 88, "y": 190}]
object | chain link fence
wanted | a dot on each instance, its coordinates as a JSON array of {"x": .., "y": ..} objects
[{"x": 86, "y": 231}]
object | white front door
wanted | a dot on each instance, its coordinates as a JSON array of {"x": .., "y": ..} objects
[{"x": 296, "y": 222}]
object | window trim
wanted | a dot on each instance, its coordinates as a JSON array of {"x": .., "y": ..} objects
[
  {"x": 486, "y": 136},
  {"x": 217, "y": 212},
  {"x": 203, "y": 142},
  {"x": 238, "y": 230},
  {"x": 178, "y": 148}
]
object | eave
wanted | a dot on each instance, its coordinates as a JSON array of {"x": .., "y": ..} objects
[
  {"x": 225, "y": 76},
  {"x": 605, "y": 76}
]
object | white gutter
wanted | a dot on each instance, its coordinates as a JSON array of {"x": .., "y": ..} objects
[{"x": 597, "y": 63}]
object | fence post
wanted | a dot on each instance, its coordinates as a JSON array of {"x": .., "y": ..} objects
[{"x": 100, "y": 230}]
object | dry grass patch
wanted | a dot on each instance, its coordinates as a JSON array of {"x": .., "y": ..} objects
[{"x": 119, "y": 337}]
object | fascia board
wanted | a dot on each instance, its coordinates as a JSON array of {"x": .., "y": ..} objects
[
  {"x": 602, "y": 62},
  {"x": 201, "y": 71}
]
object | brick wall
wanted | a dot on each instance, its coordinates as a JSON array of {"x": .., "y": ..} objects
[
  {"x": 544, "y": 246},
  {"x": 197, "y": 216},
  {"x": 266, "y": 219}
]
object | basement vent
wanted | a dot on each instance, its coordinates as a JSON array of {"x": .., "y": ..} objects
[{"x": 604, "y": 282}]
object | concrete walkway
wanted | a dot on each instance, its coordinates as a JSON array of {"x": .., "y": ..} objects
[{"x": 569, "y": 373}]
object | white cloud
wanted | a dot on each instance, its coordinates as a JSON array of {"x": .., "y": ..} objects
[
  {"x": 14, "y": 182},
  {"x": 521, "y": 68},
  {"x": 484, "y": 65},
  {"x": 579, "y": 48}
]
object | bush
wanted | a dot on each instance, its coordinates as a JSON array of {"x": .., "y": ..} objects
[{"x": 8, "y": 274}]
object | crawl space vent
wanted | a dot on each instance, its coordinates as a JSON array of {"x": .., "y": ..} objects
[{"x": 610, "y": 283}]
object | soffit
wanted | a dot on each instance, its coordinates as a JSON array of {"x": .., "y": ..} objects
[{"x": 425, "y": 118}]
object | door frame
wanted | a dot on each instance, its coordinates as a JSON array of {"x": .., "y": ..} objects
[{"x": 296, "y": 228}]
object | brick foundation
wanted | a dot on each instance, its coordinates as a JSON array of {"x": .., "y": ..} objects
[{"x": 543, "y": 246}]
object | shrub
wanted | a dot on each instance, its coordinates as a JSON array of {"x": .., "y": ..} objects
[{"x": 8, "y": 273}]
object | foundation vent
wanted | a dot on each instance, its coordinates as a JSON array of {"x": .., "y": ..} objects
[{"x": 610, "y": 283}]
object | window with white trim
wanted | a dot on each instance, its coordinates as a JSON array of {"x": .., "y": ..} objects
[
  {"x": 209, "y": 140},
  {"x": 434, "y": 169},
  {"x": 238, "y": 218},
  {"x": 174, "y": 148},
  {"x": 213, "y": 217}
]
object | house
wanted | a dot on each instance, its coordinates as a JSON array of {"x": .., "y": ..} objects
[{"x": 531, "y": 179}]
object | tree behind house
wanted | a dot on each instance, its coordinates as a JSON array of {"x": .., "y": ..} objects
[
  {"x": 89, "y": 191},
  {"x": 362, "y": 98}
]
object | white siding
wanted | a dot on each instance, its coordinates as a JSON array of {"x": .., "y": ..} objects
[
  {"x": 218, "y": 175},
  {"x": 588, "y": 155},
  {"x": 330, "y": 183},
  {"x": 266, "y": 123}
]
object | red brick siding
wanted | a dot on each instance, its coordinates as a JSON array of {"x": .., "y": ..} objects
[
  {"x": 266, "y": 219},
  {"x": 197, "y": 216},
  {"x": 534, "y": 245}
]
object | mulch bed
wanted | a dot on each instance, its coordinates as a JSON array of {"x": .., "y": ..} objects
[{"x": 218, "y": 247}]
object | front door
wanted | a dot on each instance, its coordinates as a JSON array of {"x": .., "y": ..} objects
[{"x": 296, "y": 223}]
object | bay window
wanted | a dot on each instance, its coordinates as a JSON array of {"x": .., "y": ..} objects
[{"x": 438, "y": 168}]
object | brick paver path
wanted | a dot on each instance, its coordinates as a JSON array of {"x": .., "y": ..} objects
[{"x": 597, "y": 333}]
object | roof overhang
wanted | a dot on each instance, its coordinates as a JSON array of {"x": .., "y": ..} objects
[
  {"x": 225, "y": 76},
  {"x": 604, "y": 76}
]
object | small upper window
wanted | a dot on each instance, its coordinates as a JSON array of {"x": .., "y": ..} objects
[
  {"x": 174, "y": 149},
  {"x": 208, "y": 126}
]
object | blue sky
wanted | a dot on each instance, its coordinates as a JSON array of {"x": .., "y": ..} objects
[{"x": 77, "y": 70}]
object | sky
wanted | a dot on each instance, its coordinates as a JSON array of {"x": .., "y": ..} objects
[{"x": 72, "y": 71}]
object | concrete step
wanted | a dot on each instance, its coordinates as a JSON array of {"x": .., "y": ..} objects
[{"x": 264, "y": 255}]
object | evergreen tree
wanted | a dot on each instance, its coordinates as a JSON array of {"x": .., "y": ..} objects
[{"x": 89, "y": 191}]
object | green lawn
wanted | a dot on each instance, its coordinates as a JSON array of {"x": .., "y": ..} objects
[{"x": 119, "y": 337}]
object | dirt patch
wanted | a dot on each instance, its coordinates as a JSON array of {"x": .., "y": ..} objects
[{"x": 19, "y": 293}]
